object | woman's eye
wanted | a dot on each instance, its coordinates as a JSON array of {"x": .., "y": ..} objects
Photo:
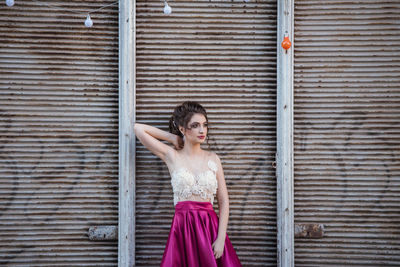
[{"x": 196, "y": 125}]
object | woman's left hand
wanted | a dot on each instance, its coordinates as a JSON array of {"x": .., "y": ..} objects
[{"x": 218, "y": 247}]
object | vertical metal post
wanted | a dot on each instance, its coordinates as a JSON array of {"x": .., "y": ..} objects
[
  {"x": 284, "y": 158},
  {"x": 126, "y": 207}
]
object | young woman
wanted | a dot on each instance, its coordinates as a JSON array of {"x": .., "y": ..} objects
[{"x": 198, "y": 236}]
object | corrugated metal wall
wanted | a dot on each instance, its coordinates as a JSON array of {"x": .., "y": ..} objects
[
  {"x": 58, "y": 133},
  {"x": 347, "y": 131},
  {"x": 222, "y": 54}
]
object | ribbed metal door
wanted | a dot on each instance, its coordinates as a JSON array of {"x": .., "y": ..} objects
[
  {"x": 222, "y": 54},
  {"x": 58, "y": 133},
  {"x": 347, "y": 131}
]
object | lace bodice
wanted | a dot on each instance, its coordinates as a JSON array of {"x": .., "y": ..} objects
[{"x": 185, "y": 183}]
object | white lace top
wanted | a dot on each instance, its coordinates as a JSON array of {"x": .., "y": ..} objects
[{"x": 185, "y": 184}]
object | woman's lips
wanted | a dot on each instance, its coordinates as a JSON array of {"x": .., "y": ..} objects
[{"x": 201, "y": 137}]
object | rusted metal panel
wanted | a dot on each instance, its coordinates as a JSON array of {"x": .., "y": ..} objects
[
  {"x": 222, "y": 54},
  {"x": 346, "y": 131},
  {"x": 59, "y": 133},
  {"x": 309, "y": 230},
  {"x": 106, "y": 232}
]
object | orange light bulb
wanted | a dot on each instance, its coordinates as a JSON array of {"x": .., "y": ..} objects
[{"x": 286, "y": 44}]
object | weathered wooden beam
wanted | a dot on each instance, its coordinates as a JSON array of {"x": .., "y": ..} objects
[
  {"x": 127, "y": 73},
  {"x": 284, "y": 157}
]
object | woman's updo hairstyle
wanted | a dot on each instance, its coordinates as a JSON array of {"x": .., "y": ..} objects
[{"x": 182, "y": 115}]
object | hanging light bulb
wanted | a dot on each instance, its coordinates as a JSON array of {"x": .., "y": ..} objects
[
  {"x": 9, "y": 2},
  {"x": 286, "y": 44},
  {"x": 167, "y": 8},
  {"x": 88, "y": 21}
]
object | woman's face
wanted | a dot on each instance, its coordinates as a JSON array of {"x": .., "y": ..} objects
[{"x": 197, "y": 129}]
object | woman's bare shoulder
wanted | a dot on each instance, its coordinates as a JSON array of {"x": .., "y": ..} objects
[{"x": 213, "y": 156}]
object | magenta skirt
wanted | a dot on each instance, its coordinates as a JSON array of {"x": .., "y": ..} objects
[{"x": 193, "y": 230}]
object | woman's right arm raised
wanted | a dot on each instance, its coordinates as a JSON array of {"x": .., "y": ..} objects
[{"x": 149, "y": 135}]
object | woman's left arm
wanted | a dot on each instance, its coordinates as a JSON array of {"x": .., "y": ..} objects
[{"x": 223, "y": 204}]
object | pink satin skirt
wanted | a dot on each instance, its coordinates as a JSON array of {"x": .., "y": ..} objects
[{"x": 194, "y": 229}]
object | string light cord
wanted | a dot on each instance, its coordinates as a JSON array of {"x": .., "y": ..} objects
[
  {"x": 88, "y": 21},
  {"x": 73, "y": 11},
  {"x": 103, "y": 7}
]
